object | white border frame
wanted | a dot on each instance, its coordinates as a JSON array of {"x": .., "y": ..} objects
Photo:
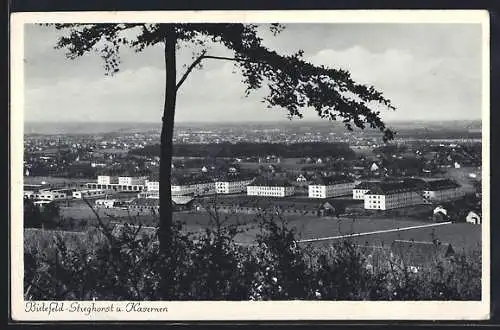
[{"x": 290, "y": 310}]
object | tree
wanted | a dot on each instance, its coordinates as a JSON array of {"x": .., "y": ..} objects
[
  {"x": 46, "y": 216},
  {"x": 32, "y": 214},
  {"x": 292, "y": 82}
]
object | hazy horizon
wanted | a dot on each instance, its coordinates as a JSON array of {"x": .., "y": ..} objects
[
  {"x": 239, "y": 122},
  {"x": 429, "y": 72},
  {"x": 81, "y": 127}
]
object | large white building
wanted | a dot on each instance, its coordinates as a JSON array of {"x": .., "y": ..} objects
[
  {"x": 359, "y": 191},
  {"x": 106, "y": 179},
  {"x": 232, "y": 184},
  {"x": 149, "y": 194},
  {"x": 106, "y": 203},
  {"x": 90, "y": 193},
  {"x": 443, "y": 190},
  {"x": 131, "y": 180},
  {"x": 48, "y": 195},
  {"x": 193, "y": 186},
  {"x": 270, "y": 188},
  {"x": 123, "y": 183},
  {"x": 326, "y": 187},
  {"x": 391, "y": 195},
  {"x": 152, "y": 185}
]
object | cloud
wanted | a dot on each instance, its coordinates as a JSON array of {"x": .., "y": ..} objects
[
  {"x": 442, "y": 81},
  {"x": 418, "y": 86}
]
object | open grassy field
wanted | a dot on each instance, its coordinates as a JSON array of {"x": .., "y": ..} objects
[
  {"x": 462, "y": 236},
  {"x": 308, "y": 227}
]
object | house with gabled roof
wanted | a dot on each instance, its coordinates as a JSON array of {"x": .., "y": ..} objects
[
  {"x": 474, "y": 217},
  {"x": 302, "y": 178}
]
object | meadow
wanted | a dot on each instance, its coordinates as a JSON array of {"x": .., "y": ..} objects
[{"x": 461, "y": 235}]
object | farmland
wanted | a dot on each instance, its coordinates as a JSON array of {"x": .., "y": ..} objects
[{"x": 460, "y": 235}]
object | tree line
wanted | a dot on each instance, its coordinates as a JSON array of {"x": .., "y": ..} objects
[{"x": 250, "y": 149}]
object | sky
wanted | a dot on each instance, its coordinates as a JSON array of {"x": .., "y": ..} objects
[{"x": 428, "y": 71}]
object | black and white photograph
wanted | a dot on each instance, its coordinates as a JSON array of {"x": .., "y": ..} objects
[{"x": 249, "y": 165}]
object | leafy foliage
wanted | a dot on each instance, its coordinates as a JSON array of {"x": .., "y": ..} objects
[
  {"x": 292, "y": 82},
  {"x": 125, "y": 263},
  {"x": 46, "y": 216}
]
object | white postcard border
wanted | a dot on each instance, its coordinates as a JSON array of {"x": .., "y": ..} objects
[{"x": 289, "y": 310}]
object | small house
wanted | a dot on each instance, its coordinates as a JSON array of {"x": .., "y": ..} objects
[
  {"x": 473, "y": 217},
  {"x": 374, "y": 167}
]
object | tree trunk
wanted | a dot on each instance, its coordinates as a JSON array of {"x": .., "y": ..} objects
[{"x": 165, "y": 230}]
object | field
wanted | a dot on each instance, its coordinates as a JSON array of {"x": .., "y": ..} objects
[
  {"x": 309, "y": 227},
  {"x": 460, "y": 235}
]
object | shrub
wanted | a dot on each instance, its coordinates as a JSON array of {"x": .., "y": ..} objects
[{"x": 124, "y": 263}]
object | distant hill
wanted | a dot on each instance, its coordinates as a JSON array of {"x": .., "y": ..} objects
[
  {"x": 121, "y": 127},
  {"x": 86, "y": 127}
]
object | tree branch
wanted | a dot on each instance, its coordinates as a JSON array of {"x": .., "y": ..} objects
[
  {"x": 233, "y": 59},
  {"x": 203, "y": 56},
  {"x": 189, "y": 69}
]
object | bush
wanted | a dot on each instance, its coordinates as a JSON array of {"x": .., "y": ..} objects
[{"x": 125, "y": 264}]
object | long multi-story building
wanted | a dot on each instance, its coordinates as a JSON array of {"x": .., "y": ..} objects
[
  {"x": 326, "y": 187},
  {"x": 359, "y": 191},
  {"x": 391, "y": 195},
  {"x": 90, "y": 193},
  {"x": 123, "y": 183},
  {"x": 49, "y": 195},
  {"x": 131, "y": 180},
  {"x": 106, "y": 179},
  {"x": 443, "y": 190},
  {"x": 149, "y": 194},
  {"x": 193, "y": 186},
  {"x": 153, "y": 185},
  {"x": 270, "y": 188},
  {"x": 232, "y": 184}
]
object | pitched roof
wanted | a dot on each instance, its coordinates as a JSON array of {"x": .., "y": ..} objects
[
  {"x": 182, "y": 200},
  {"x": 367, "y": 185},
  {"x": 267, "y": 182},
  {"x": 234, "y": 178},
  {"x": 146, "y": 202},
  {"x": 441, "y": 184},
  {"x": 388, "y": 188},
  {"x": 184, "y": 181},
  {"x": 154, "y": 177},
  {"x": 331, "y": 180}
]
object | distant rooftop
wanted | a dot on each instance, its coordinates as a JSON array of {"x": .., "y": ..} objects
[
  {"x": 441, "y": 184},
  {"x": 332, "y": 180},
  {"x": 267, "y": 182},
  {"x": 367, "y": 185},
  {"x": 184, "y": 181},
  {"x": 389, "y": 188}
]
